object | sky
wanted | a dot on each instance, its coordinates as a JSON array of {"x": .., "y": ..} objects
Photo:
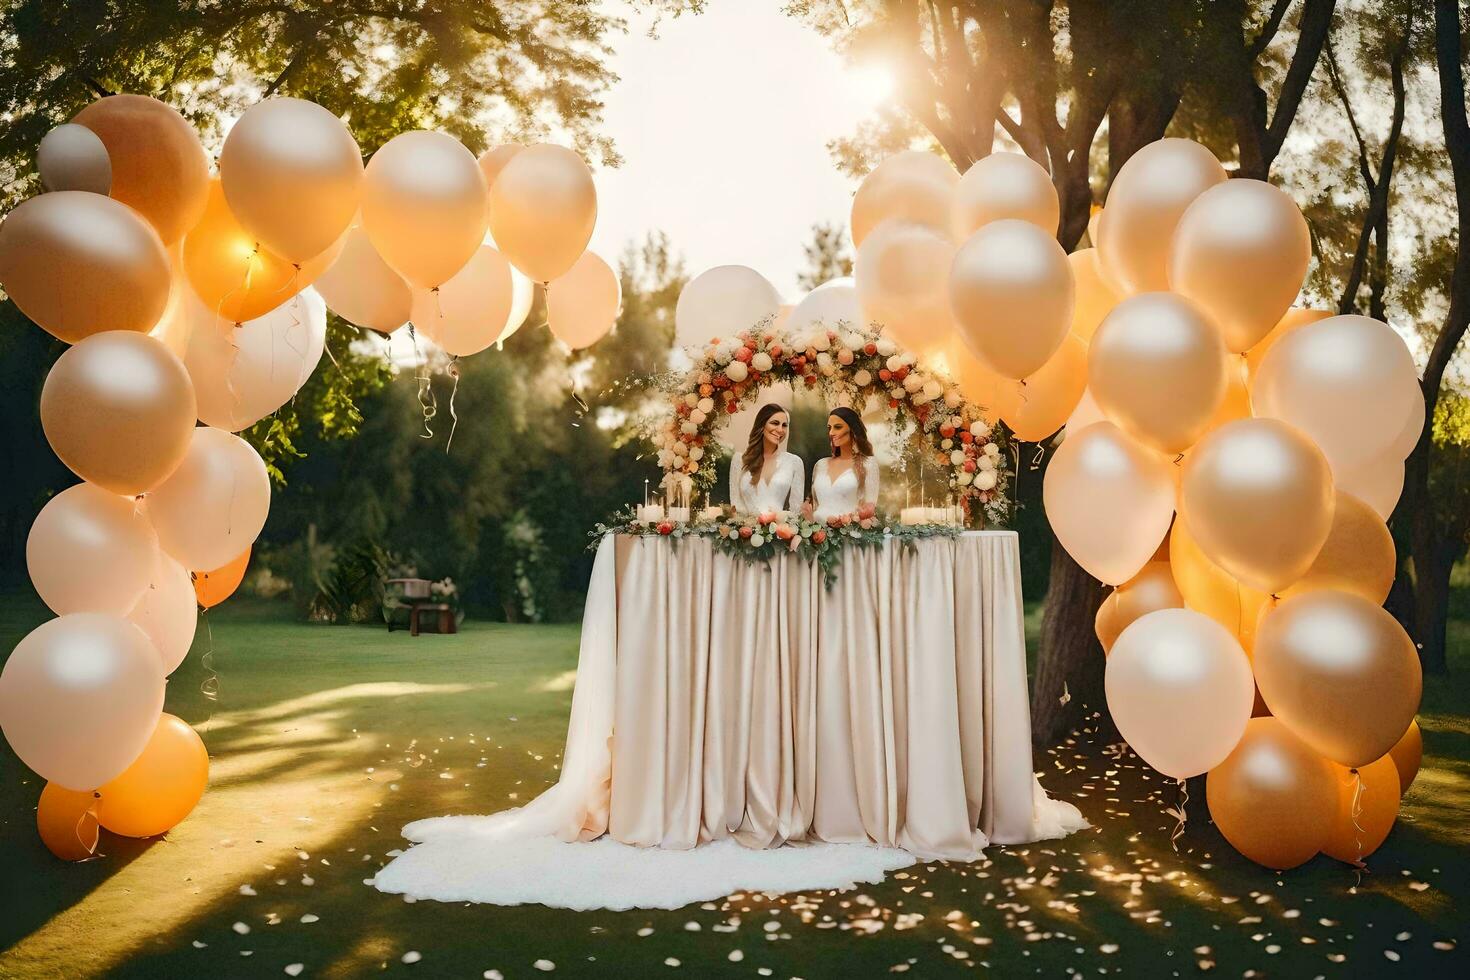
[{"x": 723, "y": 121}]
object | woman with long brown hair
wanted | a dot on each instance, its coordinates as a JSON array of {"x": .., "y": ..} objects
[
  {"x": 766, "y": 477},
  {"x": 848, "y": 478}
]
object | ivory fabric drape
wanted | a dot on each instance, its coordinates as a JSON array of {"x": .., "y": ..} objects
[{"x": 717, "y": 698}]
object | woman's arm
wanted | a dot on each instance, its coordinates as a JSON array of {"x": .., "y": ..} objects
[
  {"x": 870, "y": 481},
  {"x": 798, "y": 482}
]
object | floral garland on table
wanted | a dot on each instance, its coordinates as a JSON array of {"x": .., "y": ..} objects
[
  {"x": 847, "y": 365},
  {"x": 754, "y": 538}
]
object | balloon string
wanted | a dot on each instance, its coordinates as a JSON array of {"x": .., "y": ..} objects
[
  {"x": 1357, "y": 812},
  {"x": 580, "y": 406},
  {"x": 453, "y": 371},
  {"x": 296, "y": 324},
  {"x": 428, "y": 405},
  {"x": 1180, "y": 815},
  {"x": 93, "y": 849},
  {"x": 209, "y": 687}
]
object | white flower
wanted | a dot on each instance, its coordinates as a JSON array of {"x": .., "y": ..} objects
[
  {"x": 957, "y": 457},
  {"x": 964, "y": 479},
  {"x": 688, "y": 428},
  {"x": 737, "y": 371},
  {"x": 696, "y": 452},
  {"x": 896, "y": 393},
  {"x": 697, "y": 417},
  {"x": 893, "y": 363},
  {"x": 706, "y": 405},
  {"x": 921, "y": 397},
  {"x": 819, "y": 340},
  {"x": 680, "y": 449},
  {"x": 723, "y": 353},
  {"x": 987, "y": 462},
  {"x": 852, "y": 341},
  {"x": 862, "y": 378},
  {"x": 913, "y": 382},
  {"x": 665, "y": 458},
  {"x": 908, "y": 357},
  {"x": 691, "y": 399},
  {"x": 761, "y": 361},
  {"x": 992, "y": 450},
  {"x": 886, "y": 347},
  {"x": 932, "y": 389},
  {"x": 985, "y": 479},
  {"x": 757, "y": 539},
  {"x": 946, "y": 444},
  {"x": 825, "y": 364},
  {"x": 953, "y": 398},
  {"x": 980, "y": 428}
]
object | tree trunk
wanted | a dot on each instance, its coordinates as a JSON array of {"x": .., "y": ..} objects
[
  {"x": 1431, "y": 606},
  {"x": 1070, "y": 661}
]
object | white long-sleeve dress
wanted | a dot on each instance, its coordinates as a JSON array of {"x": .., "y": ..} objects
[
  {"x": 842, "y": 495},
  {"x": 782, "y": 490}
]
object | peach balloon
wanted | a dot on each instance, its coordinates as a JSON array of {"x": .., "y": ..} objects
[
  {"x": 1095, "y": 295},
  {"x": 1358, "y": 556},
  {"x": 91, "y": 551},
  {"x": 73, "y": 158},
  {"x": 1147, "y": 197},
  {"x": 292, "y": 174},
  {"x": 1257, "y": 495},
  {"x": 469, "y": 312},
  {"x": 168, "y": 613},
  {"x": 1209, "y": 589},
  {"x": 1236, "y": 404},
  {"x": 66, "y": 819},
  {"x": 1240, "y": 252},
  {"x": 237, "y": 278},
  {"x": 1179, "y": 689},
  {"x": 1407, "y": 754},
  {"x": 1004, "y": 185},
  {"x": 243, "y": 372},
  {"x": 543, "y": 208},
  {"x": 1349, "y": 382},
  {"x": 583, "y": 305},
  {"x": 213, "y": 587},
  {"x": 172, "y": 329},
  {"x": 423, "y": 206},
  {"x": 1352, "y": 838},
  {"x": 80, "y": 264},
  {"x": 1105, "y": 624},
  {"x": 216, "y": 502},
  {"x": 1378, "y": 484},
  {"x": 118, "y": 409},
  {"x": 158, "y": 164},
  {"x": 981, "y": 386},
  {"x": 721, "y": 302},
  {"x": 1294, "y": 319},
  {"x": 1157, "y": 368},
  {"x": 1086, "y": 413},
  {"x": 161, "y": 787},
  {"x": 493, "y": 160},
  {"x": 901, "y": 272},
  {"x": 79, "y": 697},
  {"x": 1011, "y": 292},
  {"x": 914, "y": 186},
  {"x": 1274, "y": 799},
  {"x": 363, "y": 289},
  {"x": 522, "y": 296},
  {"x": 1039, "y": 407},
  {"x": 1152, "y": 589},
  {"x": 1109, "y": 501},
  {"x": 1341, "y": 672}
]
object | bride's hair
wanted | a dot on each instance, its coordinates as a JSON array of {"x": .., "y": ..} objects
[
  {"x": 754, "y": 458},
  {"x": 862, "y": 448}
]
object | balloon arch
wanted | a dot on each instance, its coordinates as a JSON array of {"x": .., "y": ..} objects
[{"x": 1263, "y": 444}]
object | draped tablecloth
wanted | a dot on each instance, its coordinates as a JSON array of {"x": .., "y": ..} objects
[{"x": 718, "y": 698}]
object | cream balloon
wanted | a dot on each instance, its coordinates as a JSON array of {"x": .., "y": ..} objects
[
  {"x": 91, "y": 551},
  {"x": 981, "y": 386},
  {"x": 1012, "y": 295},
  {"x": 583, "y": 305},
  {"x": 1341, "y": 672},
  {"x": 721, "y": 302},
  {"x": 914, "y": 187},
  {"x": 1348, "y": 382},
  {"x": 522, "y": 296},
  {"x": 1414, "y": 419},
  {"x": 244, "y": 372},
  {"x": 1086, "y": 413},
  {"x": 1294, "y": 319},
  {"x": 543, "y": 208},
  {"x": 900, "y": 272},
  {"x": 79, "y": 697},
  {"x": 1378, "y": 484},
  {"x": 1257, "y": 496},
  {"x": 1358, "y": 556},
  {"x": 493, "y": 160},
  {"x": 363, "y": 289},
  {"x": 1095, "y": 295},
  {"x": 80, "y": 264},
  {"x": 1105, "y": 624},
  {"x": 1236, "y": 404},
  {"x": 293, "y": 176},
  {"x": 423, "y": 206},
  {"x": 469, "y": 312},
  {"x": 1240, "y": 252},
  {"x": 1004, "y": 185},
  {"x": 1157, "y": 368},
  {"x": 1041, "y": 405},
  {"x": 1147, "y": 197},
  {"x": 172, "y": 329},
  {"x": 73, "y": 158},
  {"x": 1179, "y": 689},
  {"x": 1109, "y": 501},
  {"x": 1150, "y": 590},
  {"x": 159, "y": 168},
  {"x": 832, "y": 303},
  {"x": 214, "y": 505},
  {"x": 168, "y": 612},
  {"x": 118, "y": 409}
]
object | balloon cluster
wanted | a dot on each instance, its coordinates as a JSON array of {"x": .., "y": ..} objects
[
  {"x": 195, "y": 297},
  {"x": 1228, "y": 464}
]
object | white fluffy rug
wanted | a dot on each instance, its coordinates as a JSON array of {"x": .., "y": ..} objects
[{"x": 605, "y": 874}]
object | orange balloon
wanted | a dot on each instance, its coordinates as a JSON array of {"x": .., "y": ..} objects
[
  {"x": 1208, "y": 588},
  {"x": 1042, "y": 405},
  {"x": 1294, "y": 319},
  {"x": 158, "y": 164},
  {"x": 161, "y": 787},
  {"x": 1352, "y": 839},
  {"x": 67, "y": 822},
  {"x": 1095, "y": 295},
  {"x": 1105, "y": 624},
  {"x": 215, "y": 587},
  {"x": 233, "y": 274},
  {"x": 1358, "y": 557},
  {"x": 980, "y": 385},
  {"x": 1407, "y": 755},
  {"x": 1150, "y": 590}
]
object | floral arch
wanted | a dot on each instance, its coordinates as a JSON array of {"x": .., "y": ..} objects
[{"x": 847, "y": 365}]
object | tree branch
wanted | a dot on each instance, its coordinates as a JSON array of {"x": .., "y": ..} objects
[
  {"x": 1311, "y": 36},
  {"x": 1269, "y": 29}
]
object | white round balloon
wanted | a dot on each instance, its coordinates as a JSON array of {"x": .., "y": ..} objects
[
  {"x": 721, "y": 302},
  {"x": 834, "y": 301}
]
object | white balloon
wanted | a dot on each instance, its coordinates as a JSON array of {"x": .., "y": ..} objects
[
  {"x": 1378, "y": 483},
  {"x": 721, "y": 302},
  {"x": 1086, "y": 413},
  {"x": 831, "y": 303},
  {"x": 73, "y": 158},
  {"x": 91, "y": 550},
  {"x": 168, "y": 612}
]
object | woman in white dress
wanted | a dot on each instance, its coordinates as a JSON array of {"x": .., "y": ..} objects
[
  {"x": 848, "y": 478},
  {"x": 766, "y": 477}
]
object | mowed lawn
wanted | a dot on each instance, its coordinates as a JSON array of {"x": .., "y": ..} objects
[{"x": 325, "y": 741}]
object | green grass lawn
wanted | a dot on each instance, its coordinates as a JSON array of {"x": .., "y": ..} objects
[{"x": 325, "y": 741}]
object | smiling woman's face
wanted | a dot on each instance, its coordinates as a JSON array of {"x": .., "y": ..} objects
[
  {"x": 837, "y": 432},
  {"x": 776, "y": 428}
]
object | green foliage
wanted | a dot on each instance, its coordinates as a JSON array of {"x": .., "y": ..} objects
[
  {"x": 352, "y": 590},
  {"x": 827, "y": 256}
]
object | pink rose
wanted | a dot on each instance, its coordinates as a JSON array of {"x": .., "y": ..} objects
[
  {"x": 766, "y": 518},
  {"x": 745, "y": 532},
  {"x": 818, "y": 537},
  {"x": 665, "y": 528}
]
